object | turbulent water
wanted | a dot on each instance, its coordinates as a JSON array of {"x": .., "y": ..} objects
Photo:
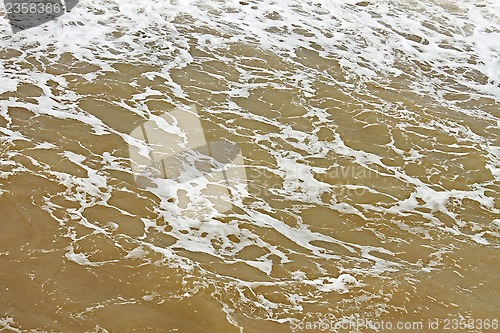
[{"x": 370, "y": 137}]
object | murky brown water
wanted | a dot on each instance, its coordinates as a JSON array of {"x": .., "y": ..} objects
[{"x": 366, "y": 197}]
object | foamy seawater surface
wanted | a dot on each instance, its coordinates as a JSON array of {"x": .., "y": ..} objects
[{"x": 370, "y": 136}]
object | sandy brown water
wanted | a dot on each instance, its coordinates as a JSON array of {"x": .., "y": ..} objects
[{"x": 375, "y": 180}]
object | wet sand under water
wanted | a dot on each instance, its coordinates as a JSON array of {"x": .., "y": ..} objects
[{"x": 365, "y": 198}]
